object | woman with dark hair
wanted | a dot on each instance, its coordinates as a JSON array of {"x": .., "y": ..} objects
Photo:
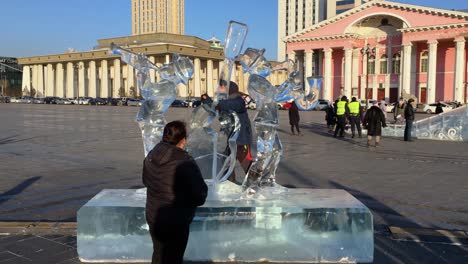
[
  {"x": 235, "y": 103},
  {"x": 175, "y": 187},
  {"x": 294, "y": 118}
]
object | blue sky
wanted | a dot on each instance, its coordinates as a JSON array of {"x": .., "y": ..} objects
[{"x": 41, "y": 27}]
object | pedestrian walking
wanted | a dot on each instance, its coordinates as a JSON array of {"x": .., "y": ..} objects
[
  {"x": 399, "y": 112},
  {"x": 409, "y": 117},
  {"x": 175, "y": 187},
  {"x": 439, "y": 109},
  {"x": 294, "y": 118},
  {"x": 355, "y": 114},
  {"x": 342, "y": 111},
  {"x": 330, "y": 117},
  {"x": 374, "y": 121}
]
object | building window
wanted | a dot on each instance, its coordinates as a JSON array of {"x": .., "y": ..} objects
[
  {"x": 396, "y": 63},
  {"x": 371, "y": 65},
  {"x": 383, "y": 64},
  {"x": 424, "y": 61}
]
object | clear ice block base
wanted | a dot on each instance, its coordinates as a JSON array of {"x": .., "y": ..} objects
[{"x": 300, "y": 225}]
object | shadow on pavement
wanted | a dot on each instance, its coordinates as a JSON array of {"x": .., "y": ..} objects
[
  {"x": 18, "y": 189},
  {"x": 389, "y": 248}
]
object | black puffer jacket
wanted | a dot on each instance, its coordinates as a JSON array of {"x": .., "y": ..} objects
[{"x": 174, "y": 183}]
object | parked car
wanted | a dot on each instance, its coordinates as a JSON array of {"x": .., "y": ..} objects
[
  {"x": 134, "y": 102},
  {"x": 179, "y": 103},
  {"x": 15, "y": 100},
  {"x": 50, "y": 99},
  {"x": 113, "y": 101},
  {"x": 4, "y": 99},
  {"x": 64, "y": 101},
  {"x": 26, "y": 100},
  {"x": 38, "y": 100},
  {"x": 322, "y": 105},
  {"x": 431, "y": 108},
  {"x": 97, "y": 101},
  {"x": 196, "y": 103}
]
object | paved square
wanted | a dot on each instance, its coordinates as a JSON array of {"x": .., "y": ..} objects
[{"x": 55, "y": 158}]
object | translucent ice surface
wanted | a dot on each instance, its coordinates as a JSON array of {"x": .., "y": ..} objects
[
  {"x": 452, "y": 126},
  {"x": 300, "y": 225}
]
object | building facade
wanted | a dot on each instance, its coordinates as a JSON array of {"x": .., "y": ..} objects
[
  {"x": 158, "y": 16},
  {"x": 10, "y": 77},
  {"x": 297, "y": 15},
  {"x": 382, "y": 50},
  {"x": 96, "y": 74}
]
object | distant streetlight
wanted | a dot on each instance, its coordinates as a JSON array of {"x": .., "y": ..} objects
[{"x": 367, "y": 50}]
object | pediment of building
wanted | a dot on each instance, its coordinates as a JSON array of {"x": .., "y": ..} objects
[{"x": 379, "y": 18}]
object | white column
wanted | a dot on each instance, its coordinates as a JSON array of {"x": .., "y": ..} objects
[
  {"x": 168, "y": 59},
  {"x": 40, "y": 81},
  {"x": 364, "y": 77},
  {"x": 131, "y": 81},
  {"x": 355, "y": 72},
  {"x": 59, "y": 88},
  {"x": 104, "y": 79},
  {"x": 26, "y": 78},
  {"x": 70, "y": 81},
  {"x": 34, "y": 79},
  {"x": 92, "y": 89},
  {"x": 459, "y": 92},
  {"x": 50, "y": 80},
  {"x": 81, "y": 79},
  {"x": 309, "y": 55},
  {"x": 209, "y": 78},
  {"x": 375, "y": 82},
  {"x": 196, "y": 76},
  {"x": 327, "y": 85},
  {"x": 152, "y": 72},
  {"x": 117, "y": 79},
  {"x": 348, "y": 72},
  {"x": 432, "y": 72},
  {"x": 407, "y": 48}
]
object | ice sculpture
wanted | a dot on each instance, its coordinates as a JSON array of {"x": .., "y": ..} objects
[
  {"x": 157, "y": 96},
  {"x": 269, "y": 148},
  {"x": 215, "y": 153},
  {"x": 450, "y": 126},
  {"x": 301, "y": 226}
]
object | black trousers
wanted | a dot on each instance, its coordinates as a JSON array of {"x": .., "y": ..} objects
[
  {"x": 355, "y": 123},
  {"x": 297, "y": 128},
  {"x": 340, "y": 125},
  {"x": 169, "y": 243},
  {"x": 408, "y": 128}
]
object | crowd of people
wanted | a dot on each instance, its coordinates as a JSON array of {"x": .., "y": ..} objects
[{"x": 343, "y": 112}]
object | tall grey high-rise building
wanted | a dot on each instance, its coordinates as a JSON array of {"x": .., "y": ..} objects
[
  {"x": 157, "y": 16},
  {"x": 296, "y": 15}
]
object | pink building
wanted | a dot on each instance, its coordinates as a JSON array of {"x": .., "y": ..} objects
[{"x": 416, "y": 49}]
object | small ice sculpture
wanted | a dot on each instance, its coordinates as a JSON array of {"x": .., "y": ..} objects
[
  {"x": 157, "y": 96},
  {"x": 215, "y": 153},
  {"x": 269, "y": 148}
]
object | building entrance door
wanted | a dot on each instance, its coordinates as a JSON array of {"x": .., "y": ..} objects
[
  {"x": 423, "y": 98},
  {"x": 369, "y": 93},
  {"x": 380, "y": 94},
  {"x": 393, "y": 95}
]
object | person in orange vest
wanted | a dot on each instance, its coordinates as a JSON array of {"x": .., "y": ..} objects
[
  {"x": 355, "y": 116},
  {"x": 342, "y": 111}
]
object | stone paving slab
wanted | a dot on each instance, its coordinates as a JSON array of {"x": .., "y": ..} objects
[{"x": 36, "y": 249}]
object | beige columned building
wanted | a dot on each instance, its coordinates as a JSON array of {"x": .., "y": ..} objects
[{"x": 95, "y": 73}]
